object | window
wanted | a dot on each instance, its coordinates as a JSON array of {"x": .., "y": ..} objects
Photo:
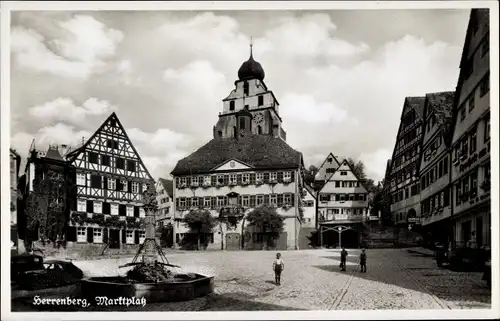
[
  {"x": 343, "y": 173},
  {"x": 440, "y": 169},
  {"x": 273, "y": 199},
  {"x": 287, "y": 199},
  {"x": 81, "y": 234},
  {"x": 111, "y": 184},
  {"x": 112, "y": 122},
  {"x": 487, "y": 128},
  {"x": 120, "y": 163},
  {"x": 95, "y": 181},
  {"x": 274, "y": 176},
  {"x": 130, "y": 211},
  {"x": 81, "y": 205},
  {"x": 130, "y": 237},
  {"x": 80, "y": 179},
  {"x": 245, "y": 88},
  {"x": 445, "y": 165},
  {"x": 287, "y": 176},
  {"x": 473, "y": 184},
  {"x": 98, "y": 207},
  {"x": 131, "y": 165},
  {"x": 124, "y": 185},
  {"x": 220, "y": 200},
  {"x": 142, "y": 236},
  {"x": 462, "y": 113},
  {"x": 485, "y": 45},
  {"x": 207, "y": 181},
  {"x": 114, "y": 209},
  {"x": 97, "y": 235},
  {"x": 330, "y": 170},
  {"x": 484, "y": 86},
  {"x": 182, "y": 203},
  {"x": 105, "y": 160},
  {"x": 112, "y": 144},
  {"x": 245, "y": 178},
  {"x": 260, "y": 200},
  {"x": 135, "y": 187},
  {"x": 206, "y": 201},
  {"x": 473, "y": 141},
  {"x": 259, "y": 129},
  {"x": 259, "y": 177},
  {"x": 232, "y": 179},
  {"x": 261, "y": 100},
  {"x": 93, "y": 158},
  {"x": 472, "y": 102},
  {"x": 469, "y": 67},
  {"x": 231, "y": 105}
]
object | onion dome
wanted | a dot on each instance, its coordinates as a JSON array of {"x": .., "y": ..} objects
[{"x": 251, "y": 69}]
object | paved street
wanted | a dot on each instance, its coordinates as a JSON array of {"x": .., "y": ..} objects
[{"x": 396, "y": 279}]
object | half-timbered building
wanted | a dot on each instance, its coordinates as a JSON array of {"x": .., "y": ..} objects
[
  {"x": 342, "y": 203},
  {"x": 471, "y": 141},
  {"x": 404, "y": 183},
  {"x": 247, "y": 164},
  {"x": 110, "y": 180},
  {"x": 434, "y": 171}
]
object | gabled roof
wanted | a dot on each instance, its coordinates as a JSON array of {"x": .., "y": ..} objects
[
  {"x": 259, "y": 151},
  {"x": 353, "y": 173},
  {"x": 71, "y": 156},
  {"x": 168, "y": 185},
  {"x": 334, "y": 158},
  {"x": 13, "y": 151},
  {"x": 441, "y": 105}
]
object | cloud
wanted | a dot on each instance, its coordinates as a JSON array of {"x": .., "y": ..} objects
[
  {"x": 315, "y": 37},
  {"x": 304, "y": 108},
  {"x": 376, "y": 162},
  {"x": 81, "y": 47},
  {"x": 57, "y": 134},
  {"x": 64, "y": 109},
  {"x": 169, "y": 71}
]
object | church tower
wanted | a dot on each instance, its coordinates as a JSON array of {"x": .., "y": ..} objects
[{"x": 252, "y": 96}]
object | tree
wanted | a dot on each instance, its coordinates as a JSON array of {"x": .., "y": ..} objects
[
  {"x": 166, "y": 237},
  {"x": 267, "y": 219},
  {"x": 358, "y": 168},
  {"x": 309, "y": 175},
  {"x": 200, "y": 221}
]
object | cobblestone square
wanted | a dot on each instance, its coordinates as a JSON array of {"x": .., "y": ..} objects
[{"x": 312, "y": 280}]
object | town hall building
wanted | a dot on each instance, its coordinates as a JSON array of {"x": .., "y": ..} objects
[{"x": 248, "y": 163}]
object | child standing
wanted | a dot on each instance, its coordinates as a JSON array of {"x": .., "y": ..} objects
[
  {"x": 278, "y": 267},
  {"x": 362, "y": 261}
]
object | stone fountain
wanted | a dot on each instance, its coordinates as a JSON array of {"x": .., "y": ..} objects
[{"x": 150, "y": 278}]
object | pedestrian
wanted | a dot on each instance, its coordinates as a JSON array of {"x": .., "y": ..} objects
[
  {"x": 343, "y": 258},
  {"x": 278, "y": 267},
  {"x": 362, "y": 260}
]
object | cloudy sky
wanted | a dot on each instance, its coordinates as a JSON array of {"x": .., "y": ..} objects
[{"x": 340, "y": 76}]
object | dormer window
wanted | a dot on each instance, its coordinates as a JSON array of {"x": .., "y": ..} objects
[
  {"x": 261, "y": 100},
  {"x": 231, "y": 105}
]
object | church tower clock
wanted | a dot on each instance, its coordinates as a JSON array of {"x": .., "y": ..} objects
[{"x": 251, "y": 97}]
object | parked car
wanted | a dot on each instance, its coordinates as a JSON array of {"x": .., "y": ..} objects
[
  {"x": 21, "y": 263},
  {"x": 53, "y": 273}
]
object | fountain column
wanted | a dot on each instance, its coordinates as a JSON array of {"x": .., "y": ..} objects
[{"x": 150, "y": 254}]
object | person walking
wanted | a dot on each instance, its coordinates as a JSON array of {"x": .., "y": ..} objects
[
  {"x": 278, "y": 267},
  {"x": 362, "y": 260},
  {"x": 343, "y": 258}
]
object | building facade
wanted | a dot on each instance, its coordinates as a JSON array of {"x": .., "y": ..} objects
[
  {"x": 309, "y": 207},
  {"x": 164, "y": 198},
  {"x": 342, "y": 202},
  {"x": 110, "y": 180},
  {"x": 404, "y": 183},
  {"x": 435, "y": 194},
  {"x": 247, "y": 164},
  {"x": 470, "y": 170},
  {"x": 47, "y": 175}
]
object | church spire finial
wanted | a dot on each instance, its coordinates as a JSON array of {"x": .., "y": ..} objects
[{"x": 251, "y": 45}]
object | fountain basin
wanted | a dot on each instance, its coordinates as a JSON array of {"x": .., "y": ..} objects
[{"x": 177, "y": 290}]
